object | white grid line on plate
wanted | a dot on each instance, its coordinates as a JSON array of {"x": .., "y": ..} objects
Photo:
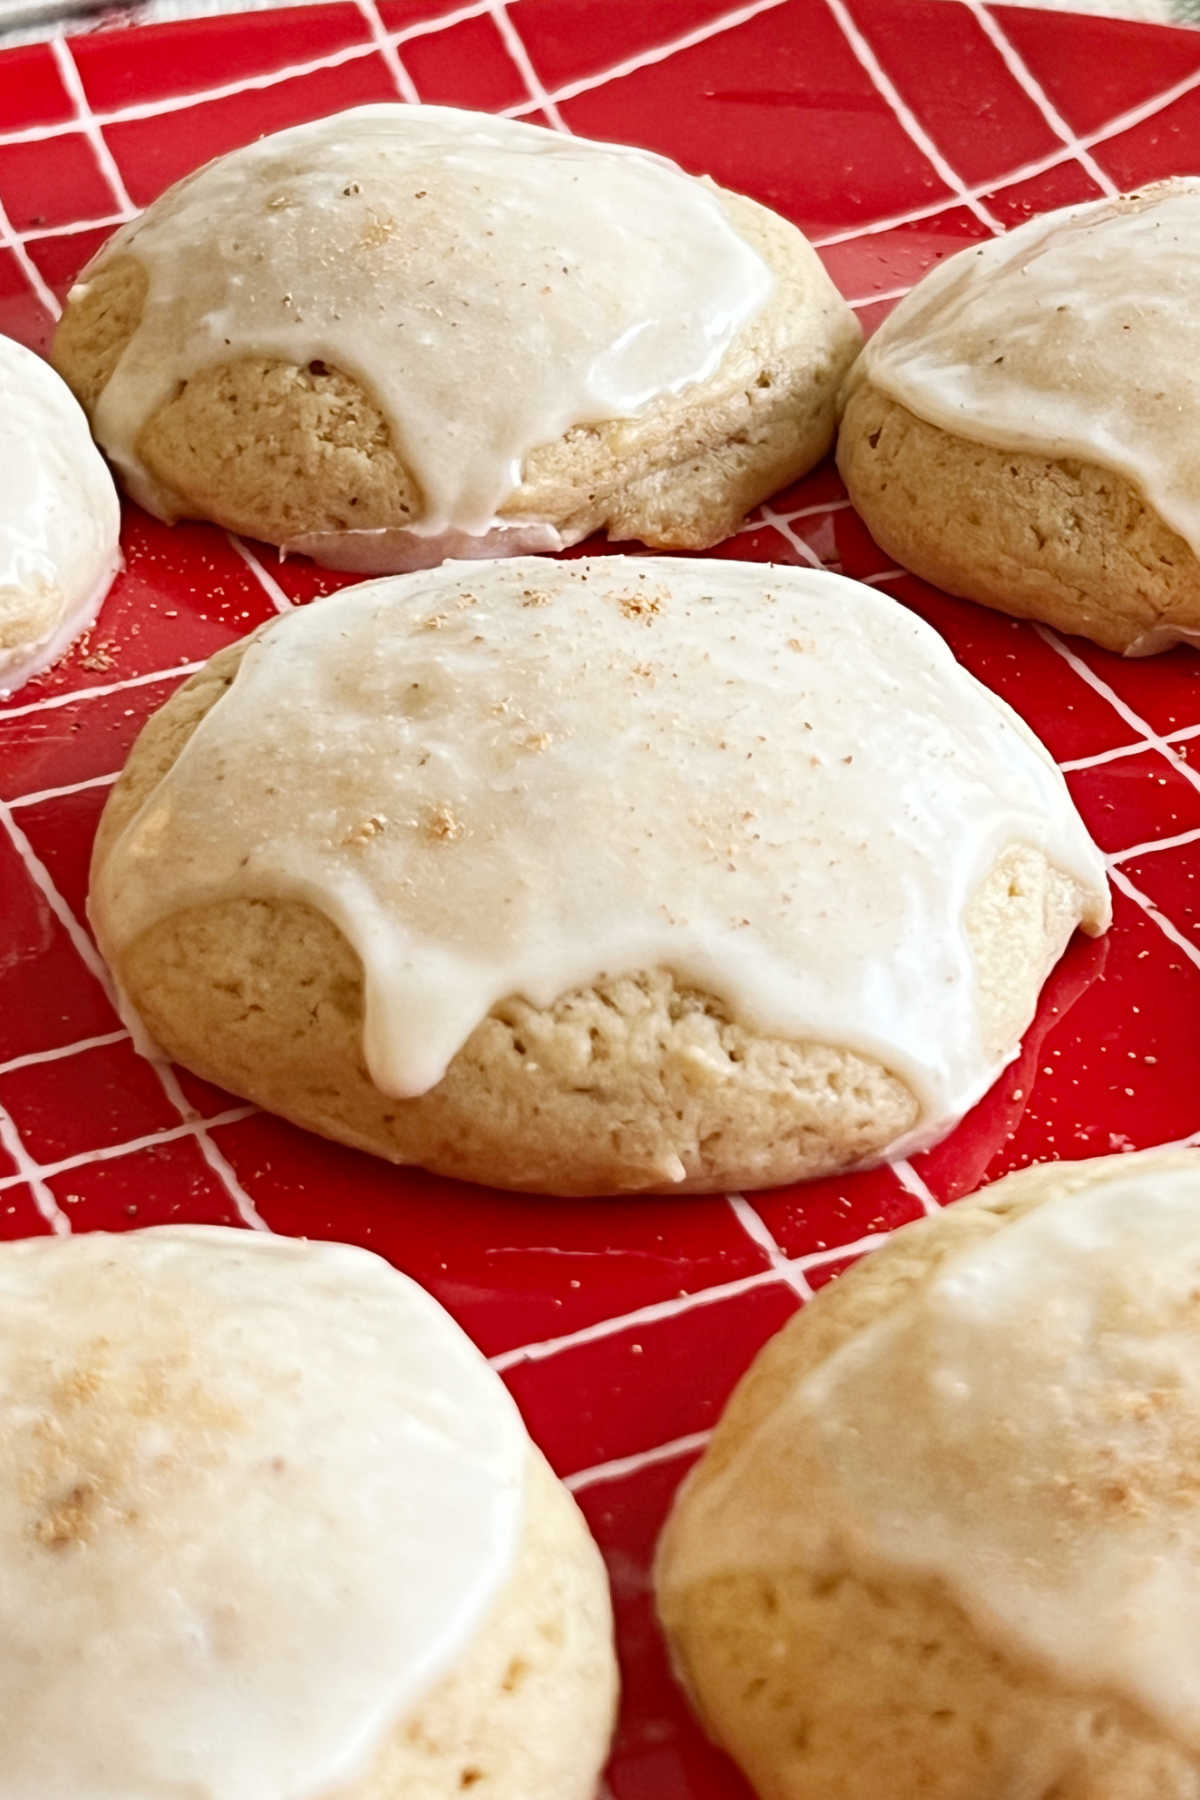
[
  {"x": 78, "y": 1048},
  {"x": 785, "y": 1277},
  {"x": 88, "y": 954},
  {"x": 645, "y": 59},
  {"x": 172, "y": 103},
  {"x": 1154, "y": 844},
  {"x": 266, "y": 581},
  {"x": 1041, "y": 165},
  {"x": 521, "y": 60},
  {"x": 761, "y": 1235},
  {"x": 45, "y": 297},
  {"x": 893, "y": 293},
  {"x": 904, "y": 115},
  {"x": 621, "y": 1466},
  {"x": 908, "y": 1178},
  {"x": 105, "y": 161},
  {"x": 51, "y": 702},
  {"x": 1131, "y": 718},
  {"x": 1032, "y": 88},
  {"x": 150, "y": 1140},
  {"x": 406, "y": 87},
  {"x": 804, "y": 551},
  {"x": 651, "y": 1314},
  {"x": 29, "y": 1174},
  {"x": 75, "y": 228},
  {"x": 1102, "y": 756},
  {"x": 1121, "y": 881},
  {"x": 61, "y": 793}
]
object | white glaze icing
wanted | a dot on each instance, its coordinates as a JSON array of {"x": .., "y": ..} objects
[
  {"x": 1025, "y": 1429},
  {"x": 59, "y": 518},
  {"x": 490, "y": 283},
  {"x": 256, "y": 1496},
  {"x": 509, "y": 778},
  {"x": 1068, "y": 338}
]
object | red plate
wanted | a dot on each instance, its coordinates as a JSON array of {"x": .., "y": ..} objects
[{"x": 891, "y": 130}]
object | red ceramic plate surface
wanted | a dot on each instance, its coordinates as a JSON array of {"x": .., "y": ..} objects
[{"x": 892, "y": 131}]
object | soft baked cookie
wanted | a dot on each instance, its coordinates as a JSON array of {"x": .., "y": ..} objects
[
  {"x": 1024, "y": 429},
  {"x": 59, "y": 519},
  {"x": 408, "y": 332},
  {"x": 271, "y": 1528},
  {"x": 944, "y": 1543},
  {"x": 595, "y": 876}
]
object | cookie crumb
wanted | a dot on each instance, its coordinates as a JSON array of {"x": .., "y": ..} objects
[
  {"x": 362, "y": 834},
  {"x": 440, "y": 824}
]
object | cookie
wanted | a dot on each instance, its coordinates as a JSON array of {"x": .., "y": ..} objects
[
  {"x": 59, "y": 519},
  {"x": 271, "y": 1528},
  {"x": 943, "y": 1543},
  {"x": 1024, "y": 429},
  {"x": 407, "y": 332},
  {"x": 596, "y": 876}
]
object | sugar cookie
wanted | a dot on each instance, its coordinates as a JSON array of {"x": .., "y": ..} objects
[
  {"x": 595, "y": 876},
  {"x": 59, "y": 519},
  {"x": 945, "y": 1541},
  {"x": 1025, "y": 428},
  {"x": 271, "y": 1528},
  {"x": 408, "y": 332}
]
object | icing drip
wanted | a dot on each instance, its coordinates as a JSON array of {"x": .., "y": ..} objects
[
  {"x": 510, "y": 778},
  {"x": 59, "y": 518},
  {"x": 1067, "y": 338},
  {"x": 256, "y": 1497},
  {"x": 1026, "y": 1429},
  {"x": 491, "y": 285}
]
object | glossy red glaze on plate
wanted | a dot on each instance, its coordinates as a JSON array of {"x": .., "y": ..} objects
[{"x": 893, "y": 131}]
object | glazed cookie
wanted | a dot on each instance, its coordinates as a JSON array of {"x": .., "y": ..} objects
[
  {"x": 944, "y": 1544},
  {"x": 271, "y": 1528},
  {"x": 407, "y": 332},
  {"x": 1025, "y": 428},
  {"x": 59, "y": 519},
  {"x": 595, "y": 876}
]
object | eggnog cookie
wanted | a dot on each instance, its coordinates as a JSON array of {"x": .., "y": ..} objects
[
  {"x": 595, "y": 876},
  {"x": 271, "y": 1528},
  {"x": 945, "y": 1542},
  {"x": 59, "y": 519},
  {"x": 1025, "y": 428},
  {"x": 407, "y": 332}
]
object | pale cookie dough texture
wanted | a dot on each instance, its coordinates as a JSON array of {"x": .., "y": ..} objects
[
  {"x": 611, "y": 875},
  {"x": 1024, "y": 429},
  {"x": 59, "y": 519},
  {"x": 406, "y": 332},
  {"x": 272, "y": 1529},
  {"x": 945, "y": 1543}
]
